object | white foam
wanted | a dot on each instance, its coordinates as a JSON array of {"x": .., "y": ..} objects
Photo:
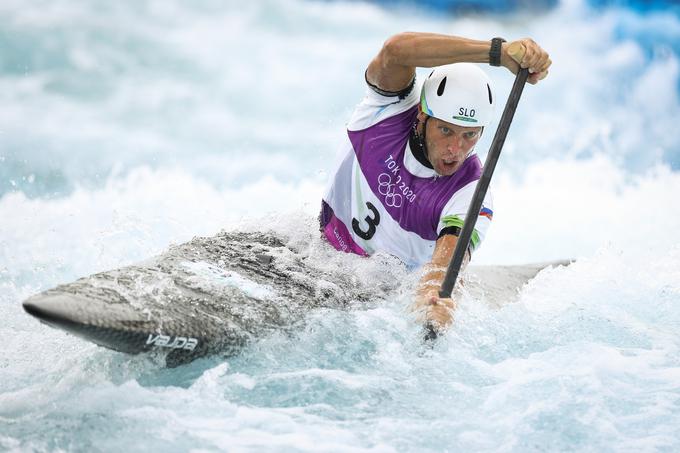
[
  {"x": 571, "y": 208},
  {"x": 211, "y": 275},
  {"x": 129, "y": 129},
  {"x": 130, "y": 219}
]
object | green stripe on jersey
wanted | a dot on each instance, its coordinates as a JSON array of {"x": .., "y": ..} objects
[{"x": 455, "y": 221}]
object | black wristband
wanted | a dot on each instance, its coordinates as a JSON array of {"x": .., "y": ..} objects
[{"x": 495, "y": 51}]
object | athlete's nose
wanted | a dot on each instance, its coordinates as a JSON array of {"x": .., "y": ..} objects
[{"x": 455, "y": 145}]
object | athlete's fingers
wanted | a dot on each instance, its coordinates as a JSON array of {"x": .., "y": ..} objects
[
  {"x": 537, "y": 77},
  {"x": 441, "y": 317},
  {"x": 532, "y": 56},
  {"x": 435, "y": 310},
  {"x": 526, "y": 53},
  {"x": 443, "y": 302},
  {"x": 537, "y": 59},
  {"x": 545, "y": 66},
  {"x": 529, "y": 55}
]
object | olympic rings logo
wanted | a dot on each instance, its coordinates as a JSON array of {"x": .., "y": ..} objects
[{"x": 386, "y": 188}]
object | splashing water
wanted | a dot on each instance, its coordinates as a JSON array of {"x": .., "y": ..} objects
[{"x": 127, "y": 127}]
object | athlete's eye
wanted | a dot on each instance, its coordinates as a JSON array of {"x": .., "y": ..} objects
[
  {"x": 445, "y": 130},
  {"x": 470, "y": 135}
]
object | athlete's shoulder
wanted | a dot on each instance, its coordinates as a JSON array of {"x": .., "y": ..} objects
[
  {"x": 401, "y": 94},
  {"x": 378, "y": 105}
]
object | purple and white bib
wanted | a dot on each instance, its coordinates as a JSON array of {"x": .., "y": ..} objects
[{"x": 382, "y": 199}]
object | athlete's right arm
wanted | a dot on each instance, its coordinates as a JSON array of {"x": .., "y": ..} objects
[
  {"x": 432, "y": 310},
  {"x": 394, "y": 66}
]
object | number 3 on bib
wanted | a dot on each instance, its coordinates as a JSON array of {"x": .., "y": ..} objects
[{"x": 371, "y": 221}]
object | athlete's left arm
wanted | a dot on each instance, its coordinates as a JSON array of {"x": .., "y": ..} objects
[{"x": 430, "y": 308}]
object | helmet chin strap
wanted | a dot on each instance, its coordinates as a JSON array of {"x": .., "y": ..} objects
[
  {"x": 419, "y": 145},
  {"x": 427, "y": 118}
]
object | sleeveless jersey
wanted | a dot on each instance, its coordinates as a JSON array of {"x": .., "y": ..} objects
[{"x": 382, "y": 199}]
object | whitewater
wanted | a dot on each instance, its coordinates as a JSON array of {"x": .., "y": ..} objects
[{"x": 127, "y": 127}]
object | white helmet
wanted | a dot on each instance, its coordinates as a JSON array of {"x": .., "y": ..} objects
[{"x": 458, "y": 93}]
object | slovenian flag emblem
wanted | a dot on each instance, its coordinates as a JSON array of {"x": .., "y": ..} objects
[{"x": 486, "y": 212}]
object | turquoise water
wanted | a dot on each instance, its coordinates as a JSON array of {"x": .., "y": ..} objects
[{"x": 130, "y": 126}]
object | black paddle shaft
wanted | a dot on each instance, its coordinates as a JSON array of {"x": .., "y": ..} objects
[{"x": 483, "y": 184}]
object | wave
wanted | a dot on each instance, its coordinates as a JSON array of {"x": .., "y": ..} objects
[{"x": 232, "y": 93}]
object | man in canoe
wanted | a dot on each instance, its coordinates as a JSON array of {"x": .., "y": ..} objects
[{"x": 406, "y": 176}]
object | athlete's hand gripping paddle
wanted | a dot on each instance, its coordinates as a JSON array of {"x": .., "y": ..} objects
[{"x": 483, "y": 185}]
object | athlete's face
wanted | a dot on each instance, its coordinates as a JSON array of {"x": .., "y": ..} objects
[{"x": 448, "y": 145}]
